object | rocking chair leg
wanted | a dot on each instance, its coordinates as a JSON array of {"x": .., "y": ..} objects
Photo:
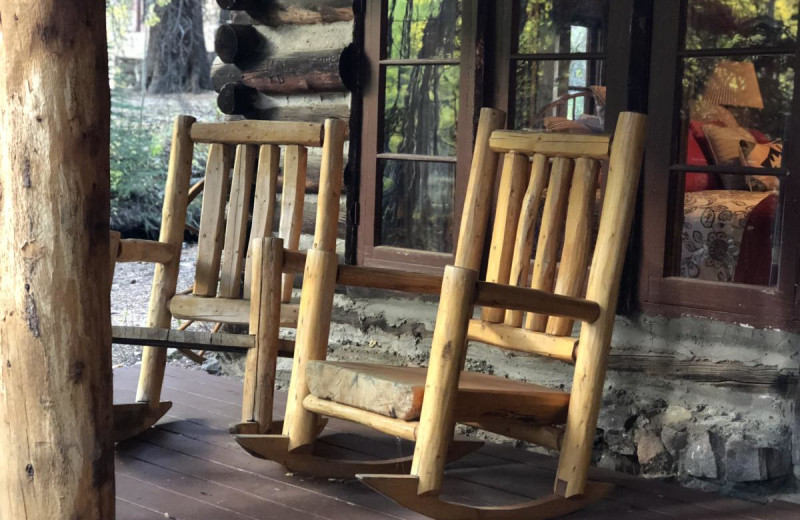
[
  {"x": 316, "y": 299},
  {"x": 165, "y": 278},
  {"x": 265, "y": 313},
  {"x": 448, "y": 354},
  {"x": 595, "y": 338},
  {"x": 313, "y": 327}
]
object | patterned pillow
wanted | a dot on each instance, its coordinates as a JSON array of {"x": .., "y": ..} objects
[
  {"x": 730, "y": 146},
  {"x": 764, "y": 156},
  {"x": 727, "y": 144}
]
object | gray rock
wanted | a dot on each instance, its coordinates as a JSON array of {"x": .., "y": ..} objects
[
  {"x": 674, "y": 415},
  {"x": 620, "y": 441},
  {"x": 746, "y": 461},
  {"x": 674, "y": 440},
  {"x": 616, "y": 462},
  {"x": 615, "y": 417},
  {"x": 212, "y": 366},
  {"x": 779, "y": 462},
  {"x": 648, "y": 446},
  {"x": 699, "y": 460},
  {"x": 653, "y": 456},
  {"x": 284, "y": 364}
]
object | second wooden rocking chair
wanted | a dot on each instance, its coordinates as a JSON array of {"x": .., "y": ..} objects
[
  {"x": 235, "y": 279},
  {"x": 555, "y": 173}
]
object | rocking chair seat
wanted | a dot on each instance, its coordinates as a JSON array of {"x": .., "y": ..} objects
[{"x": 398, "y": 392}]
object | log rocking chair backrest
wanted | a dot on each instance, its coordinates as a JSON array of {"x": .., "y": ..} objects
[
  {"x": 549, "y": 182},
  {"x": 252, "y": 150},
  {"x": 239, "y": 203}
]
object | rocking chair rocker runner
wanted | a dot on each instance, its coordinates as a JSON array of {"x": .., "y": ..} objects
[
  {"x": 243, "y": 165},
  {"x": 556, "y": 170}
]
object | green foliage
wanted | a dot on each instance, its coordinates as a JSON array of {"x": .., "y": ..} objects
[
  {"x": 138, "y": 170},
  {"x": 139, "y": 163},
  {"x": 118, "y": 14}
]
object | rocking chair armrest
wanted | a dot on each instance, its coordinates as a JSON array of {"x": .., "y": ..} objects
[
  {"x": 371, "y": 277},
  {"x": 136, "y": 250},
  {"x": 533, "y": 300},
  {"x": 389, "y": 279}
]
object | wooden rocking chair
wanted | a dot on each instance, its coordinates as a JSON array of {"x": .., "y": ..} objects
[
  {"x": 561, "y": 172},
  {"x": 223, "y": 284}
]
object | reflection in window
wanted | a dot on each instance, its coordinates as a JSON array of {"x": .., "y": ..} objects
[
  {"x": 423, "y": 29},
  {"x": 421, "y": 109},
  {"x": 750, "y": 95},
  {"x": 729, "y": 235},
  {"x": 725, "y": 24},
  {"x": 421, "y": 75},
  {"x": 545, "y": 26},
  {"x": 417, "y": 205},
  {"x": 734, "y": 112},
  {"x": 560, "y": 95},
  {"x": 558, "y": 87}
]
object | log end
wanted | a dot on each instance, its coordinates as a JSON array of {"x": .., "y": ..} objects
[
  {"x": 236, "y": 99},
  {"x": 234, "y": 43},
  {"x": 348, "y": 67}
]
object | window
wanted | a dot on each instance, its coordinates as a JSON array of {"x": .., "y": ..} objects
[
  {"x": 419, "y": 107},
  {"x": 720, "y": 232},
  {"x": 432, "y": 64},
  {"x": 557, "y": 65}
]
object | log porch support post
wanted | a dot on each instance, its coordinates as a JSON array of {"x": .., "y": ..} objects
[{"x": 56, "y": 452}]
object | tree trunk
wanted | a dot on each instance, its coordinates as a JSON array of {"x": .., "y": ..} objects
[
  {"x": 177, "y": 60},
  {"x": 56, "y": 453}
]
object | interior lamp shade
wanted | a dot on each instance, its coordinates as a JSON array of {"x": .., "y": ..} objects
[{"x": 734, "y": 83}]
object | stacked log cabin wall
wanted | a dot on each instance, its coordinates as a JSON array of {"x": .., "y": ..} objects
[
  {"x": 288, "y": 60},
  {"x": 709, "y": 402}
]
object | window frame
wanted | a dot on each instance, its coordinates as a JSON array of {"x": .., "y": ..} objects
[
  {"x": 761, "y": 306},
  {"x": 369, "y": 251},
  {"x": 489, "y": 59},
  {"x": 621, "y": 95}
]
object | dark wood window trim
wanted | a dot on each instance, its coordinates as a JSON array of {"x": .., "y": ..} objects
[
  {"x": 661, "y": 294},
  {"x": 370, "y": 252}
]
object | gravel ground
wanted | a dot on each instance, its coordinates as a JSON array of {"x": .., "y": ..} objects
[{"x": 130, "y": 296}]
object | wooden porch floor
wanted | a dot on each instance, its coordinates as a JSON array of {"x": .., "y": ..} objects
[{"x": 188, "y": 467}]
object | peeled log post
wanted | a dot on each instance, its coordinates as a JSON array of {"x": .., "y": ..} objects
[
  {"x": 293, "y": 73},
  {"x": 280, "y": 12},
  {"x": 56, "y": 450}
]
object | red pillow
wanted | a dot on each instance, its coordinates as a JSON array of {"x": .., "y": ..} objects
[
  {"x": 696, "y": 131},
  {"x": 696, "y": 157},
  {"x": 694, "y": 153}
]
